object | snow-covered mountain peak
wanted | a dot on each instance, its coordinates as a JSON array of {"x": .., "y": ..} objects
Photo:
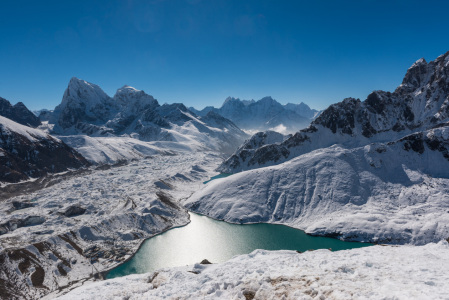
[
  {"x": 79, "y": 88},
  {"x": 82, "y": 102},
  {"x": 267, "y": 99},
  {"x": 230, "y": 100},
  {"x": 81, "y": 91},
  {"x": 421, "y": 61},
  {"x": 303, "y": 110},
  {"x": 127, "y": 89},
  {"x": 133, "y": 100}
]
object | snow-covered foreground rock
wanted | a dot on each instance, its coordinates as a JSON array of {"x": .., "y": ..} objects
[
  {"x": 377, "y": 272},
  {"x": 60, "y": 236},
  {"x": 396, "y": 192}
]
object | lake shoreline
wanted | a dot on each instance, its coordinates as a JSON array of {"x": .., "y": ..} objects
[{"x": 282, "y": 227}]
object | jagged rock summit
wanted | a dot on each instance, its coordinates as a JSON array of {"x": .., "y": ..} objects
[{"x": 419, "y": 103}]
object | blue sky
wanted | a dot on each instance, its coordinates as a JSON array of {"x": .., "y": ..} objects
[{"x": 200, "y": 51}]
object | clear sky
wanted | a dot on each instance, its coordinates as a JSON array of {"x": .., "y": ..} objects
[{"x": 200, "y": 51}]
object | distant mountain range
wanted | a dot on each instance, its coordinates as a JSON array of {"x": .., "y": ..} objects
[{"x": 263, "y": 114}]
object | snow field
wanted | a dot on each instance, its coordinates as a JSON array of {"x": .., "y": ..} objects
[{"x": 377, "y": 272}]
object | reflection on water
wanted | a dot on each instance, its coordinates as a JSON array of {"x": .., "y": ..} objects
[{"x": 217, "y": 241}]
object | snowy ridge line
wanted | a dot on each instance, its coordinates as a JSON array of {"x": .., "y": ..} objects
[{"x": 377, "y": 272}]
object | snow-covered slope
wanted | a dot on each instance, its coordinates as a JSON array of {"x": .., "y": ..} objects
[
  {"x": 26, "y": 153},
  {"x": 396, "y": 192},
  {"x": 378, "y": 272},
  {"x": 60, "y": 236},
  {"x": 18, "y": 113},
  {"x": 111, "y": 150},
  {"x": 263, "y": 114},
  {"x": 87, "y": 110},
  {"x": 419, "y": 103}
]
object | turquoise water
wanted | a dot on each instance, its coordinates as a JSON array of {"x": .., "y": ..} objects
[
  {"x": 222, "y": 175},
  {"x": 217, "y": 241}
]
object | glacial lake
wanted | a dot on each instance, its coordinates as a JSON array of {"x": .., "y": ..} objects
[{"x": 218, "y": 241}]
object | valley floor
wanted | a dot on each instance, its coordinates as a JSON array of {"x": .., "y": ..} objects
[
  {"x": 377, "y": 272},
  {"x": 57, "y": 237}
]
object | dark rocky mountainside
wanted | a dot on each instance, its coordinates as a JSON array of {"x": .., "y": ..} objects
[
  {"x": 421, "y": 102},
  {"x": 18, "y": 113},
  {"x": 30, "y": 153}
]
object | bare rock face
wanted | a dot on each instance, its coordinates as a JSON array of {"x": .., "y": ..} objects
[
  {"x": 74, "y": 210},
  {"x": 421, "y": 102},
  {"x": 18, "y": 113}
]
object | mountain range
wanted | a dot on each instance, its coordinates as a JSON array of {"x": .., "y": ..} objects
[{"x": 263, "y": 114}]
